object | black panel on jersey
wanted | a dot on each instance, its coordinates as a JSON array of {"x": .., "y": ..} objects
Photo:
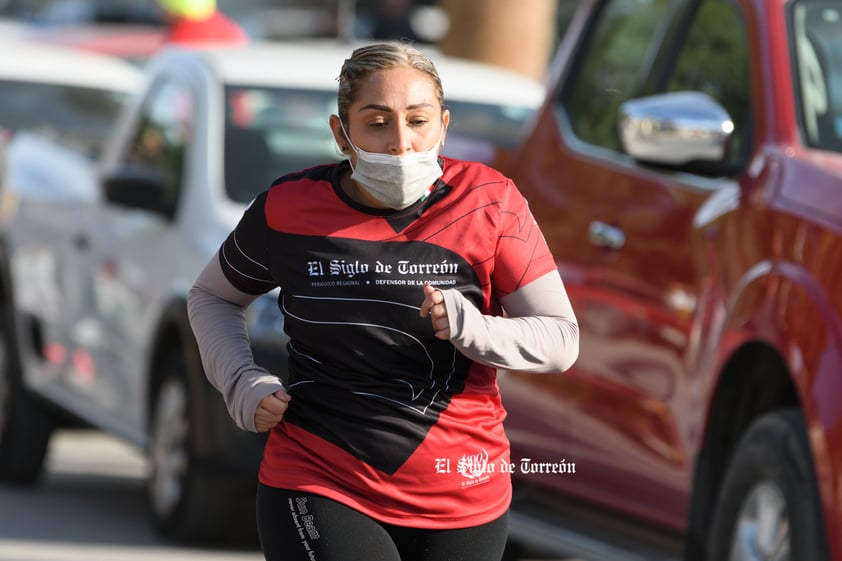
[{"x": 378, "y": 390}]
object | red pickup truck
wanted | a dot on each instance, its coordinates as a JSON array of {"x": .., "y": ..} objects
[{"x": 686, "y": 169}]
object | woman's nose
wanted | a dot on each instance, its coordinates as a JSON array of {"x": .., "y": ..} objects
[{"x": 400, "y": 141}]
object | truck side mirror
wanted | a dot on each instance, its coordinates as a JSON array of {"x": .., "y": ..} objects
[
  {"x": 138, "y": 188},
  {"x": 675, "y": 129}
]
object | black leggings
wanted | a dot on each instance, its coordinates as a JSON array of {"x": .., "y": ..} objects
[{"x": 296, "y": 526}]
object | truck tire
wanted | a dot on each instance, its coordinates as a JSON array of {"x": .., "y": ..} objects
[
  {"x": 189, "y": 500},
  {"x": 25, "y": 424},
  {"x": 768, "y": 506}
]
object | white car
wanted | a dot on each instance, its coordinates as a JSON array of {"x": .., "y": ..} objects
[
  {"x": 70, "y": 96},
  {"x": 57, "y": 106},
  {"x": 96, "y": 282}
]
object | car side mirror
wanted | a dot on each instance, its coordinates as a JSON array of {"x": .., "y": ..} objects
[
  {"x": 675, "y": 129},
  {"x": 140, "y": 189}
]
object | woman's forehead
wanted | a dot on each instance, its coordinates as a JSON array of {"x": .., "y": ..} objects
[{"x": 404, "y": 86}]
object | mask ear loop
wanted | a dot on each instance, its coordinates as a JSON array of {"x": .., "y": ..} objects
[
  {"x": 344, "y": 149},
  {"x": 347, "y": 137}
]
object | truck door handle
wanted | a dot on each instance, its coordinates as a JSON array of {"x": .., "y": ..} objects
[{"x": 604, "y": 235}]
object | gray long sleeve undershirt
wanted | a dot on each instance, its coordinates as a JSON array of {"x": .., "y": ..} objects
[
  {"x": 217, "y": 315},
  {"x": 539, "y": 334}
]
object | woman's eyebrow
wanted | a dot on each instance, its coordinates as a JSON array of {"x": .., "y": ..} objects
[{"x": 386, "y": 109}]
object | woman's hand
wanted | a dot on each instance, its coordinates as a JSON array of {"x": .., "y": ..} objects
[
  {"x": 433, "y": 306},
  {"x": 271, "y": 410}
]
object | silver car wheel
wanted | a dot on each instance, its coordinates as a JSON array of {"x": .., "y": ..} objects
[
  {"x": 169, "y": 447},
  {"x": 762, "y": 529}
]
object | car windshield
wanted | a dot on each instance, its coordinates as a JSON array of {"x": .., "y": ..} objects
[
  {"x": 74, "y": 116},
  {"x": 270, "y": 132},
  {"x": 817, "y": 46}
]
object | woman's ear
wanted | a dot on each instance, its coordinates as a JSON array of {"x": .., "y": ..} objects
[{"x": 338, "y": 134}]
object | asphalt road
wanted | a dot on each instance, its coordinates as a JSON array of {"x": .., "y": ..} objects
[{"x": 90, "y": 507}]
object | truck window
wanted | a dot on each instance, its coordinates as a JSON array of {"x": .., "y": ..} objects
[
  {"x": 713, "y": 59},
  {"x": 816, "y": 43},
  {"x": 613, "y": 62},
  {"x": 164, "y": 133},
  {"x": 273, "y": 131}
]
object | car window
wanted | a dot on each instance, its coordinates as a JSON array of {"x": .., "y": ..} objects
[
  {"x": 713, "y": 59},
  {"x": 163, "y": 135},
  {"x": 76, "y": 117},
  {"x": 612, "y": 66},
  {"x": 817, "y": 47},
  {"x": 270, "y": 132}
]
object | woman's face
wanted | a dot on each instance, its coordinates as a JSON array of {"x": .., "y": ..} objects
[{"x": 396, "y": 112}]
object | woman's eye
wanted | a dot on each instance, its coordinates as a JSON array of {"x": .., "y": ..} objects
[{"x": 418, "y": 122}]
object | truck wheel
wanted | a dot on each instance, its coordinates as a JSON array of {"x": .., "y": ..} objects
[
  {"x": 25, "y": 425},
  {"x": 188, "y": 501},
  {"x": 768, "y": 507}
]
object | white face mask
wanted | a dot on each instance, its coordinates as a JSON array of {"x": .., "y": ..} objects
[{"x": 396, "y": 181}]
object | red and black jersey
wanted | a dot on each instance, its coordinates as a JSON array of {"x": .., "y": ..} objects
[{"x": 385, "y": 417}]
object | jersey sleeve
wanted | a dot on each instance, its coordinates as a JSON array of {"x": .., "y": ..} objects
[
  {"x": 243, "y": 254},
  {"x": 522, "y": 253}
]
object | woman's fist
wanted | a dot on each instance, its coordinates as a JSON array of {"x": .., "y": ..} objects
[
  {"x": 271, "y": 410},
  {"x": 433, "y": 306}
]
